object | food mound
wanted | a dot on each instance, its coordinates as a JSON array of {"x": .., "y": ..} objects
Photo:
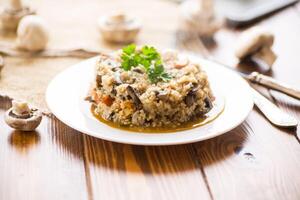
[{"x": 140, "y": 87}]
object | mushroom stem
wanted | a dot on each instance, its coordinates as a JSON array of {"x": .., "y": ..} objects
[
  {"x": 267, "y": 55},
  {"x": 16, "y": 5}
]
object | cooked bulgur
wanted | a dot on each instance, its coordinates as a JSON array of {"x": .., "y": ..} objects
[{"x": 130, "y": 98}]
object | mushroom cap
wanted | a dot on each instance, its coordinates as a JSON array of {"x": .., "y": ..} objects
[
  {"x": 200, "y": 17},
  {"x": 32, "y": 33},
  {"x": 119, "y": 28},
  {"x": 252, "y": 40},
  {"x": 23, "y": 124}
]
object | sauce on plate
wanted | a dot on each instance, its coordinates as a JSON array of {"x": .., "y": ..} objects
[{"x": 216, "y": 111}]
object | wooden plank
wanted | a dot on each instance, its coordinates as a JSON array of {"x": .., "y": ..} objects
[
  {"x": 158, "y": 18},
  {"x": 286, "y": 68},
  {"x": 256, "y": 160},
  {"x": 119, "y": 171},
  {"x": 46, "y": 164}
]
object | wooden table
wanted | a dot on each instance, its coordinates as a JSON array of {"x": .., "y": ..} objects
[{"x": 256, "y": 160}]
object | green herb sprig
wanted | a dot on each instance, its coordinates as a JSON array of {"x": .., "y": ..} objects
[{"x": 148, "y": 58}]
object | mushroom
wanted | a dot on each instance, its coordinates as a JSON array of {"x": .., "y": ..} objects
[
  {"x": 199, "y": 16},
  {"x": 32, "y": 33},
  {"x": 162, "y": 95},
  {"x": 10, "y": 16},
  {"x": 208, "y": 104},
  {"x": 21, "y": 117},
  {"x": 181, "y": 62},
  {"x": 256, "y": 43},
  {"x": 191, "y": 97},
  {"x": 135, "y": 98},
  {"x": 119, "y": 28}
]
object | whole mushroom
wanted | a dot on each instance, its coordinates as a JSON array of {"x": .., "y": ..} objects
[
  {"x": 21, "y": 117},
  {"x": 32, "y": 33},
  {"x": 256, "y": 43},
  {"x": 119, "y": 28},
  {"x": 199, "y": 16},
  {"x": 11, "y": 15}
]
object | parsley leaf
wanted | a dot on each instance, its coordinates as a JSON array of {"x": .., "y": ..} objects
[
  {"x": 128, "y": 57},
  {"x": 147, "y": 57},
  {"x": 130, "y": 49}
]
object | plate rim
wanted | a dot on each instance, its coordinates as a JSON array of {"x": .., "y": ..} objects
[{"x": 164, "y": 143}]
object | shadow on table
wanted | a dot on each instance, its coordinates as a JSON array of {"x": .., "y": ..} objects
[
  {"x": 23, "y": 142},
  {"x": 149, "y": 159}
]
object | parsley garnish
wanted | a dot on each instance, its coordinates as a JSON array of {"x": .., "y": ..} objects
[{"x": 147, "y": 57}]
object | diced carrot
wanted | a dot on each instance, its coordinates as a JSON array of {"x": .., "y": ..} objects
[{"x": 107, "y": 100}]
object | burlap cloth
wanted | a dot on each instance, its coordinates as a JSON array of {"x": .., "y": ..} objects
[{"x": 73, "y": 24}]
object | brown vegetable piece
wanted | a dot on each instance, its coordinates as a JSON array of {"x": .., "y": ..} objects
[
  {"x": 135, "y": 98},
  {"x": 191, "y": 96}
]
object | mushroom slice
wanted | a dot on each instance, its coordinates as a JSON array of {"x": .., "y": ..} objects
[
  {"x": 181, "y": 62},
  {"x": 256, "y": 43},
  {"x": 162, "y": 95},
  {"x": 135, "y": 98},
  {"x": 21, "y": 117},
  {"x": 208, "y": 104},
  {"x": 191, "y": 96}
]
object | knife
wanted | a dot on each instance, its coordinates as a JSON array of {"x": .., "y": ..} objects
[
  {"x": 271, "y": 83},
  {"x": 267, "y": 82},
  {"x": 274, "y": 114}
]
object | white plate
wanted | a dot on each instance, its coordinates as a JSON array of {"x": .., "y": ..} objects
[{"x": 66, "y": 92}]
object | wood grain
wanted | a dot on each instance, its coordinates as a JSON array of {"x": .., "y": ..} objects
[
  {"x": 254, "y": 161},
  {"x": 135, "y": 172},
  {"x": 37, "y": 165},
  {"x": 256, "y": 154}
]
